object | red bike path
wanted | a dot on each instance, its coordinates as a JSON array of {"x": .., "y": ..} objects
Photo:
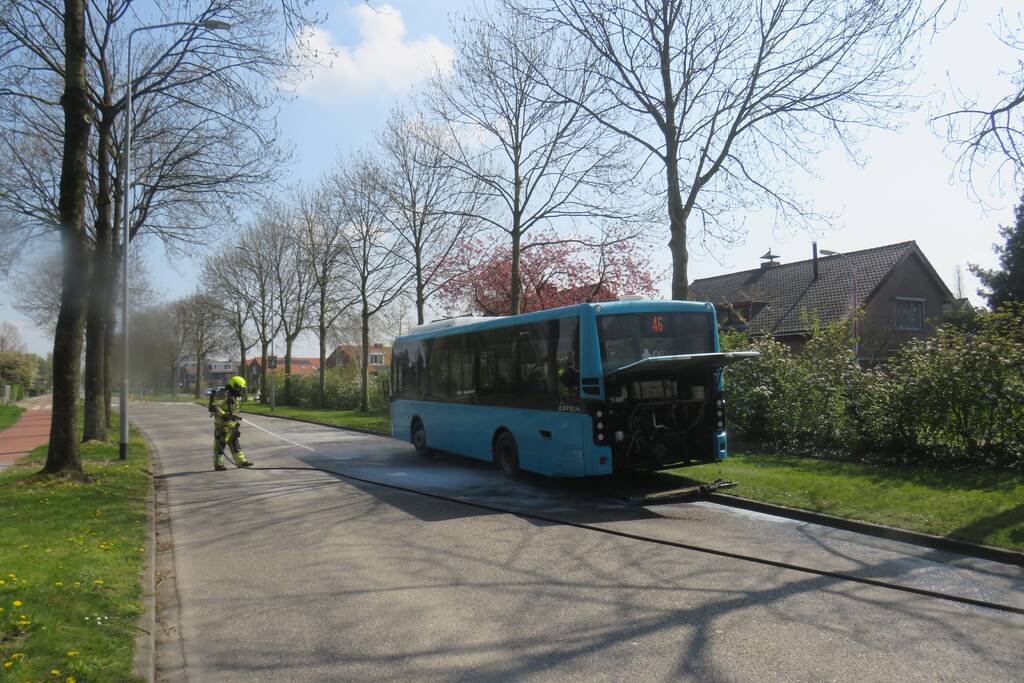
[{"x": 31, "y": 430}]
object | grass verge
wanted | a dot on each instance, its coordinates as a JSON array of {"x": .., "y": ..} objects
[
  {"x": 980, "y": 506},
  {"x": 70, "y": 558},
  {"x": 9, "y": 415},
  {"x": 379, "y": 420}
]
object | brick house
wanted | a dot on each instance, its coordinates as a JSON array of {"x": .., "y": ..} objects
[
  {"x": 894, "y": 286},
  {"x": 350, "y": 355}
]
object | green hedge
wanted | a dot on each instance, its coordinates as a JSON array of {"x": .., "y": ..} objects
[
  {"x": 955, "y": 398},
  {"x": 341, "y": 392}
]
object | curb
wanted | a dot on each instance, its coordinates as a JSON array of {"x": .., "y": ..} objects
[
  {"x": 144, "y": 660},
  {"x": 984, "y": 552}
]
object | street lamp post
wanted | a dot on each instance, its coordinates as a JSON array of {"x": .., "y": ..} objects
[
  {"x": 853, "y": 295},
  {"x": 210, "y": 25}
]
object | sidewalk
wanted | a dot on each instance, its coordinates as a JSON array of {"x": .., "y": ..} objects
[{"x": 33, "y": 429}]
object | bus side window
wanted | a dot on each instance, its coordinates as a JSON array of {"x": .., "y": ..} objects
[
  {"x": 568, "y": 361},
  {"x": 461, "y": 356},
  {"x": 438, "y": 363},
  {"x": 495, "y": 352},
  {"x": 536, "y": 383},
  {"x": 399, "y": 372}
]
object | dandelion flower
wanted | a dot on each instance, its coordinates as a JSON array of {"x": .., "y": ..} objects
[
  {"x": 59, "y": 584},
  {"x": 55, "y": 672},
  {"x": 73, "y": 653},
  {"x": 98, "y": 582},
  {"x": 71, "y": 679},
  {"x": 18, "y": 603},
  {"x": 2, "y": 582},
  {"x": 8, "y": 665},
  {"x": 17, "y": 655}
]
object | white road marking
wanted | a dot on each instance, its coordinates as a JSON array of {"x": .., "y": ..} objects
[{"x": 282, "y": 438}]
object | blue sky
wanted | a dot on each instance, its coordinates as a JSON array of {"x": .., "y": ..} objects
[{"x": 904, "y": 192}]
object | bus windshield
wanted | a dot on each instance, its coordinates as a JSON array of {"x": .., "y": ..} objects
[{"x": 631, "y": 337}]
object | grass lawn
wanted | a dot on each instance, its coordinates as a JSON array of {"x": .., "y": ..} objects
[
  {"x": 379, "y": 420},
  {"x": 981, "y": 506},
  {"x": 70, "y": 558},
  {"x": 9, "y": 415}
]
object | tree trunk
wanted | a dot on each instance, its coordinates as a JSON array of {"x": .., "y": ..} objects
[
  {"x": 322, "y": 330},
  {"x": 420, "y": 298},
  {"x": 364, "y": 398},
  {"x": 108, "y": 355},
  {"x": 677, "y": 227},
  {"x": 63, "y": 454},
  {"x": 95, "y": 427},
  {"x": 199, "y": 376},
  {"x": 287, "y": 398},
  {"x": 264, "y": 346},
  {"x": 517, "y": 301}
]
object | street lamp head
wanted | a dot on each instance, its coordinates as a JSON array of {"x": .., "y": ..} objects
[
  {"x": 215, "y": 25},
  {"x": 829, "y": 252}
]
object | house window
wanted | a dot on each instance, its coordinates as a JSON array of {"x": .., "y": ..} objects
[
  {"x": 909, "y": 314},
  {"x": 376, "y": 359}
]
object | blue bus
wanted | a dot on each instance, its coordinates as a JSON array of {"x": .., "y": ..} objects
[{"x": 578, "y": 391}]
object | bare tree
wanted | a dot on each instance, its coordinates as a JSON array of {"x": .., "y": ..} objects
[
  {"x": 10, "y": 338},
  {"x": 293, "y": 282},
  {"x": 62, "y": 454},
  {"x": 204, "y": 330},
  {"x": 322, "y": 249},
  {"x": 35, "y": 287},
  {"x": 515, "y": 113},
  {"x": 204, "y": 136},
  {"x": 248, "y": 277},
  {"x": 376, "y": 266},
  {"x": 431, "y": 205},
  {"x": 158, "y": 343},
  {"x": 725, "y": 95},
  {"x": 218, "y": 280},
  {"x": 979, "y": 132}
]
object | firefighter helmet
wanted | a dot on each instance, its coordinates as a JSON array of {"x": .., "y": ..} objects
[{"x": 237, "y": 383}]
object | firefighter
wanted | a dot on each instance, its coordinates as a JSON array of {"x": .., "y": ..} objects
[{"x": 226, "y": 408}]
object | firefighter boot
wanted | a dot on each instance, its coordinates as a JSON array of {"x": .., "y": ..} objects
[
  {"x": 218, "y": 462},
  {"x": 241, "y": 461}
]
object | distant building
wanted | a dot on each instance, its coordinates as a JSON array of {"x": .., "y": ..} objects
[
  {"x": 215, "y": 372},
  {"x": 897, "y": 289},
  {"x": 350, "y": 355}
]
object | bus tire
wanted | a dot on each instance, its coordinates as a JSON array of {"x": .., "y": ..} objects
[
  {"x": 506, "y": 454},
  {"x": 419, "y": 438}
]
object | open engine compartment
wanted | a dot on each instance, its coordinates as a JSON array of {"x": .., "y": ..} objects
[{"x": 654, "y": 422}]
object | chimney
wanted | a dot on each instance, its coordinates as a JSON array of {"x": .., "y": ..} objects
[
  {"x": 814, "y": 250},
  {"x": 769, "y": 260}
]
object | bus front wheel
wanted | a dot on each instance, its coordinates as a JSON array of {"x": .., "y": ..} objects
[
  {"x": 506, "y": 454},
  {"x": 419, "y": 439}
]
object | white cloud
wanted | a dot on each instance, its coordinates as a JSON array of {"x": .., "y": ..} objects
[{"x": 383, "y": 58}]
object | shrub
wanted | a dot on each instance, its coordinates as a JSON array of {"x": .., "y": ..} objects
[
  {"x": 341, "y": 391},
  {"x": 955, "y": 398}
]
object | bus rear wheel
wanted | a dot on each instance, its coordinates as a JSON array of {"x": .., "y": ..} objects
[
  {"x": 419, "y": 439},
  {"x": 506, "y": 454}
]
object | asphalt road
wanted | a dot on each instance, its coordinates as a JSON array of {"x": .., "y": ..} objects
[{"x": 288, "y": 575}]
